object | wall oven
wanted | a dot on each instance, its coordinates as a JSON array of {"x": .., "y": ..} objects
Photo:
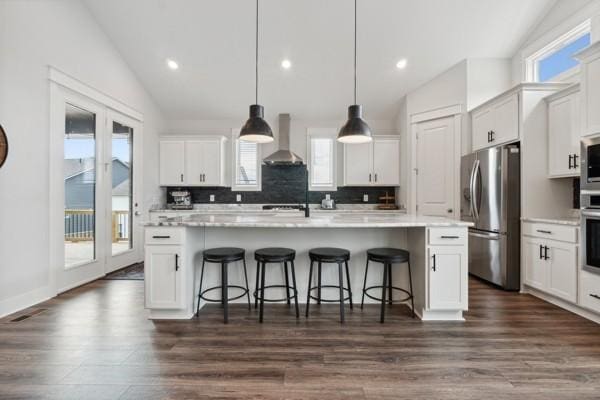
[
  {"x": 590, "y": 163},
  {"x": 590, "y": 231}
]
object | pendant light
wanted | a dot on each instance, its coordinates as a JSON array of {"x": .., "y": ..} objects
[
  {"x": 356, "y": 129},
  {"x": 256, "y": 128}
]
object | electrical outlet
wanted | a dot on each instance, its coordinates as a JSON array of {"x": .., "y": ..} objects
[
  {"x": 365, "y": 198},
  {"x": 238, "y": 197},
  {"x": 212, "y": 198},
  {"x": 327, "y": 197}
]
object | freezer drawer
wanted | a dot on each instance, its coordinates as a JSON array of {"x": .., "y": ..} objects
[{"x": 486, "y": 256}]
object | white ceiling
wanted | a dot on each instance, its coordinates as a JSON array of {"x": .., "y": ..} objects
[{"x": 213, "y": 42}]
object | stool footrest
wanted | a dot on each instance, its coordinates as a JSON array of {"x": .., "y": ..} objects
[
  {"x": 295, "y": 295},
  {"x": 409, "y": 296},
  {"x": 244, "y": 292},
  {"x": 330, "y": 287}
]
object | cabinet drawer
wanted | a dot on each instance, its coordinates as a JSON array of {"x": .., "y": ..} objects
[
  {"x": 562, "y": 233},
  {"x": 164, "y": 235},
  {"x": 589, "y": 290},
  {"x": 447, "y": 236}
]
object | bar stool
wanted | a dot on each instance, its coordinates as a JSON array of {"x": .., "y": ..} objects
[
  {"x": 388, "y": 256},
  {"x": 330, "y": 255},
  {"x": 223, "y": 256},
  {"x": 271, "y": 255}
]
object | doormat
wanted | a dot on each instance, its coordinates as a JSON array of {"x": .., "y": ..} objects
[{"x": 134, "y": 272}]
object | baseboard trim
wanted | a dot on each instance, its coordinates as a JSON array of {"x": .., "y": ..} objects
[
  {"x": 575, "y": 309},
  {"x": 25, "y": 300}
]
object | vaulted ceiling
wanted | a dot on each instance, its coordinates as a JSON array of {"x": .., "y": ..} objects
[{"x": 213, "y": 42}]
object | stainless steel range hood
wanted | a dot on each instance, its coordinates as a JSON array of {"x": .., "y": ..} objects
[{"x": 283, "y": 156}]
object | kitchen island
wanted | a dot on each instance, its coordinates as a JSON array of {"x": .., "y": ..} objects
[{"x": 438, "y": 247}]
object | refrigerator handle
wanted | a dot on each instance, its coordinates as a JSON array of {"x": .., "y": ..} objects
[{"x": 474, "y": 172}]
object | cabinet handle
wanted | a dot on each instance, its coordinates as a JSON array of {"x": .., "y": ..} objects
[
  {"x": 176, "y": 262},
  {"x": 433, "y": 266},
  {"x": 570, "y": 161},
  {"x": 541, "y": 252},
  {"x": 492, "y": 136},
  {"x": 369, "y": 177},
  {"x": 488, "y": 136},
  {"x": 161, "y": 236},
  {"x": 595, "y": 296},
  {"x": 375, "y": 177},
  {"x": 449, "y": 237},
  {"x": 546, "y": 253},
  {"x": 181, "y": 177},
  {"x": 543, "y": 231},
  {"x": 575, "y": 166}
]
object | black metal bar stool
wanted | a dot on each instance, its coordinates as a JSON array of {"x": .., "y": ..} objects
[
  {"x": 330, "y": 255},
  {"x": 279, "y": 255},
  {"x": 388, "y": 256},
  {"x": 223, "y": 256}
]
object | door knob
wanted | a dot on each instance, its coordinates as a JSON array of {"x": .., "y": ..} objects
[
  {"x": 450, "y": 210},
  {"x": 137, "y": 213}
]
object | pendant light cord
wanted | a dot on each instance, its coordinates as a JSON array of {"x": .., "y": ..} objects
[
  {"x": 256, "y": 60},
  {"x": 355, "y": 40}
]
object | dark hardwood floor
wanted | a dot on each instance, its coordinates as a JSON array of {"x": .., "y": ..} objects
[{"x": 95, "y": 343}]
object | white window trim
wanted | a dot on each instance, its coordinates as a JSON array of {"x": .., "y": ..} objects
[
  {"x": 235, "y": 133},
  {"x": 321, "y": 133},
  {"x": 531, "y": 61}
]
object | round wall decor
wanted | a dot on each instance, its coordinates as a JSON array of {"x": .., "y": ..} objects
[{"x": 3, "y": 146}]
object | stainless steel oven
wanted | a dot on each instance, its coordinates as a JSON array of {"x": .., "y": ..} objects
[
  {"x": 590, "y": 231},
  {"x": 590, "y": 163}
]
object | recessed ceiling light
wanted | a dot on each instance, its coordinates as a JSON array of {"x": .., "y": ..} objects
[
  {"x": 286, "y": 64},
  {"x": 401, "y": 64},
  {"x": 172, "y": 64}
]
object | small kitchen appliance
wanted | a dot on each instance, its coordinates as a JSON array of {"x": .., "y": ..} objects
[{"x": 182, "y": 200}]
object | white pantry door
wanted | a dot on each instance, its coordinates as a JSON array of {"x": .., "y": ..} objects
[{"x": 436, "y": 167}]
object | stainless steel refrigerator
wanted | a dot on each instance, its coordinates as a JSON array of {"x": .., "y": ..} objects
[{"x": 491, "y": 199}]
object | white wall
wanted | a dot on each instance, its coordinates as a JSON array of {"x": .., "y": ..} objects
[{"x": 33, "y": 35}]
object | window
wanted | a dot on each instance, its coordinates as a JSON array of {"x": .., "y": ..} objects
[
  {"x": 321, "y": 159},
  {"x": 246, "y": 166},
  {"x": 555, "y": 62}
]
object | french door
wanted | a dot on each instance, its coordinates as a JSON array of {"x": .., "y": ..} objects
[{"x": 95, "y": 184}]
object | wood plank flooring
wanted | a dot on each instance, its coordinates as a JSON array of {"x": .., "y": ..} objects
[{"x": 95, "y": 343}]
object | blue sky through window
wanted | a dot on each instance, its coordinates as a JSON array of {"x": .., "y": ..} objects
[
  {"x": 84, "y": 148},
  {"x": 562, "y": 59}
]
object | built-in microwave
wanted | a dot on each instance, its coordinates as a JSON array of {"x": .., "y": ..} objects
[
  {"x": 590, "y": 231},
  {"x": 590, "y": 163}
]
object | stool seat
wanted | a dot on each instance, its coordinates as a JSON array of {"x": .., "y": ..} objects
[
  {"x": 223, "y": 254},
  {"x": 275, "y": 254},
  {"x": 329, "y": 254},
  {"x": 388, "y": 255}
]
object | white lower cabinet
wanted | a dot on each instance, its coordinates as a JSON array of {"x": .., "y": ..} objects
[
  {"x": 447, "y": 278},
  {"x": 589, "y": 291},
  {"x": 549, "y": 265}
]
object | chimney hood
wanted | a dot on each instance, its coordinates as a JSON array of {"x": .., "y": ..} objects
[{"x": 283, "y": 156}]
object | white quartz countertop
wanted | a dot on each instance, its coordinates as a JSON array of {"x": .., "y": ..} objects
[
  {"x": 571, "y": 221},
  {"x": 316, "y": 220}
]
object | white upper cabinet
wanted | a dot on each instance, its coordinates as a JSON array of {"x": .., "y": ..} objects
[
  {"x": 193, "y": 162},
  {"x": 563, "y": 133},
  {"x": 590, "y": 89},
  {"x": 171, "y": 162},
  {"x": 497, "y": 122},
  {"x": 372, "y": 164}
]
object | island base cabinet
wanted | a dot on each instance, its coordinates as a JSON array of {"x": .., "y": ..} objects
[
  {"x": 164, "y": 278},
  {"x": 447, "y": 269}
]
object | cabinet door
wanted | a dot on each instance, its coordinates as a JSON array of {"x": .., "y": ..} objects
[
  {"x": 171, "y": 162},
  {"x": 563, "y": 136},
  {"x": 590, "y": 101},
  {"x": 535, "y": 267},
  {"x": 506, "y": 120},
  {"x": 448, "y": 278},
  {"x": 212, "y": 163},
  {"x": 358, "y": 164},
  {"x": 386, "y": 162},
  {"x": 163, "y": 277},
  {"x": 194, "y": 162},
  {"x": 482, "y": 122},
  {"x": 562, "y": 270}
]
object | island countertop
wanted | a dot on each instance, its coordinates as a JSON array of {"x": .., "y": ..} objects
[{"x": 320, "y": 220}]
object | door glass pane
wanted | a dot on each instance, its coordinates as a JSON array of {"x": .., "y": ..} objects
[
  {"x": 80, "y": 185},
  {"x": 122, "y": 188}
]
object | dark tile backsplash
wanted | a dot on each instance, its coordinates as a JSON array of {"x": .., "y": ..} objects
[
  {"x": 576, "y": 193},
  {"x": 284, "y": 185}
]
